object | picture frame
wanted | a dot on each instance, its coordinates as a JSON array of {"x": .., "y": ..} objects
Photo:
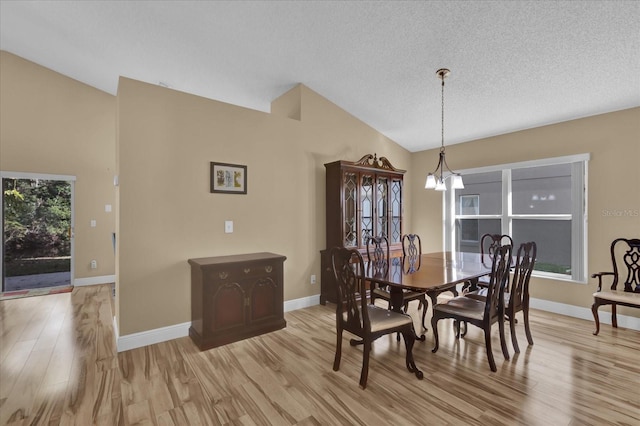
[
  {"x": 470, "y": 205},
  {"x": 228, "y": 178}
]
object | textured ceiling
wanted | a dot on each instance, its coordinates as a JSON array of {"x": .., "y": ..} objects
[{"x": 515, "y": 64}]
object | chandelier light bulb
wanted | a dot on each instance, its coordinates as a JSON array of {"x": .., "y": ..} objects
[{"x": 431, "y": 181}]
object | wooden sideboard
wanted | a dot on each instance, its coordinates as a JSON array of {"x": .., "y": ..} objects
[{"x": 235, "y": 297}]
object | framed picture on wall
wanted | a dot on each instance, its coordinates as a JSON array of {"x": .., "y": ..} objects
[{"x": 228, "y": 178}]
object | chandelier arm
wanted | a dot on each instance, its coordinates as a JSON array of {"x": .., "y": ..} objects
[{"x": 447, "y": 166}]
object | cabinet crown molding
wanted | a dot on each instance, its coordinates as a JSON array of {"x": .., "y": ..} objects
[{"x": 375, "y": 162}]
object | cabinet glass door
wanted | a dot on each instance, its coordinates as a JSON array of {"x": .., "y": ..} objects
[
  {"x": 350, "y": 210},
  {"x": 366, "y": 208},
  {"x": 382, "y": 206},
  {"x": 396, "y": 211}
]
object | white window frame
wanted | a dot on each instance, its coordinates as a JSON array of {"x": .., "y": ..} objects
[{"x": 578, "y": 215}]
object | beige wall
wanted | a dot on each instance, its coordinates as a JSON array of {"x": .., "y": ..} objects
[
  {"x": 167, "y": 215},
  {"x": 51, "y": 124},
  {"x": 166, "y": 139},
  {"x": 613, "y": 140}
]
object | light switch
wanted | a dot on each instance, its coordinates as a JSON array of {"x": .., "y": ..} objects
[
  {"x": 93, "y": 223},
  {"x": 107, "y": 208},
  {"x": 228, "y": 226}
]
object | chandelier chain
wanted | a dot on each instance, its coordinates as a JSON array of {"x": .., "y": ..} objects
[{"x": 442, "y": 116}]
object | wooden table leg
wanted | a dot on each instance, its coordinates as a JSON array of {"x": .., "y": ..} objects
[{"x": 397, "y": 302}]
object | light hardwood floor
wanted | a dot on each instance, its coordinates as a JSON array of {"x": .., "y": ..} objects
[{"x": 59, "y": 366}]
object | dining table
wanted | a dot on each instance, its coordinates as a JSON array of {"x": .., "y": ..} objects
[{"x": 433, "y": 273}]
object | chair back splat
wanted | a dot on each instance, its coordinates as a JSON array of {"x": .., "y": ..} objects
[
  {"x": 355, "y": 315},
  {"x": 378, "y": 252},
  {"x": 518, "y": 298},
  {"x": 498, "y": 282},
  {"x": 625, "y": 256},
  {"x": 489, "y": 243},
  {"x": 411, "y": 245},
  {"x": 351, "y": 298}
]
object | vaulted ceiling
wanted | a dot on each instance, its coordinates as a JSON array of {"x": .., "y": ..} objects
[{"x": 514, "y": 64}]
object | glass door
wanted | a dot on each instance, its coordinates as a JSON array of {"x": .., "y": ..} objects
[{"x": 37, "y": 235}]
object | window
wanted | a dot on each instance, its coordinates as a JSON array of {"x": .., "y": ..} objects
[{"x": 542, "y": 201}]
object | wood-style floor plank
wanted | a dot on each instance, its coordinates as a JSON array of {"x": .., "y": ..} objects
[{"x": 59, "y": 366}]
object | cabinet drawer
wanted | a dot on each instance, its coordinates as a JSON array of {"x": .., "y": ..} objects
[{"x": 240, "y": 272}]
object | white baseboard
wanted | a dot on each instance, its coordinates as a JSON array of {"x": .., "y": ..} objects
[
  {"x": 150, "y": 337},
  {"x": 104, "y": 279},
  {"x": 145, "y": 338},
  {"x": 303, "y": 302},
  {"x": 158, "y": 335},
  {"x": 624, "y": 321}
]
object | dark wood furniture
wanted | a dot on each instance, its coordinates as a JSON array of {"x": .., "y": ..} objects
[
  {"x": 482, "y": 314},
  {"x": 433, "y": 273},
  {"x": 412, "y": 249},
  {"x": 625, "y": 259},
  {"x": 516, "y": 296},
  {"x": 363, "y": 199},
  {"x": 235, "y": 297},
  {"x": 411, "y": 245},
  {"x": 356, "y": 315},
  {"x": 489, "y": 243}
]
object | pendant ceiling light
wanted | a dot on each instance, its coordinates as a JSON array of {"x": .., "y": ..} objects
[{"x": 436, "y": 179}]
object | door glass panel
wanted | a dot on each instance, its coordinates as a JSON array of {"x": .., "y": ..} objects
[
  {"x": 350, "y": 211},
  {"x": 366, "y": 203},
  {"x": 36, "y": 233},
  {"x": 382, "y": 199}
]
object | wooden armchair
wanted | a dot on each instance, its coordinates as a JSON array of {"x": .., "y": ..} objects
[
  {"x": 481, "y": 313},
  {"x": 355, "y": 315},
  {"x": 625, "y": 258}
]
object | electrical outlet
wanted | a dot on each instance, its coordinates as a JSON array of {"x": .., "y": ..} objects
[
  {"x": 94, "y": 264},
  {"x": 313, "y": 279}
]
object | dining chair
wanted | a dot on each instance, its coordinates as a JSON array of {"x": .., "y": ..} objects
[
  {"x": 367, "y": 321},
  {"x": 378, "y": 263},
  {"x": 625, "y": 261},
  {"x": 482, "y": 314},
  {"x": 516, "y": 295},
  {"x": 411, "y": 245},
  {"x": 411, "y": 249},
  {"x": 489, "y": 243}
]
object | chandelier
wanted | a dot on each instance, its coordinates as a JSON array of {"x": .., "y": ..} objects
[{"x": 436, "y": 179}]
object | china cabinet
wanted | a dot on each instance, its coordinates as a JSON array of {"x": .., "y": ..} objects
[{"x": 363, "y": 199}]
